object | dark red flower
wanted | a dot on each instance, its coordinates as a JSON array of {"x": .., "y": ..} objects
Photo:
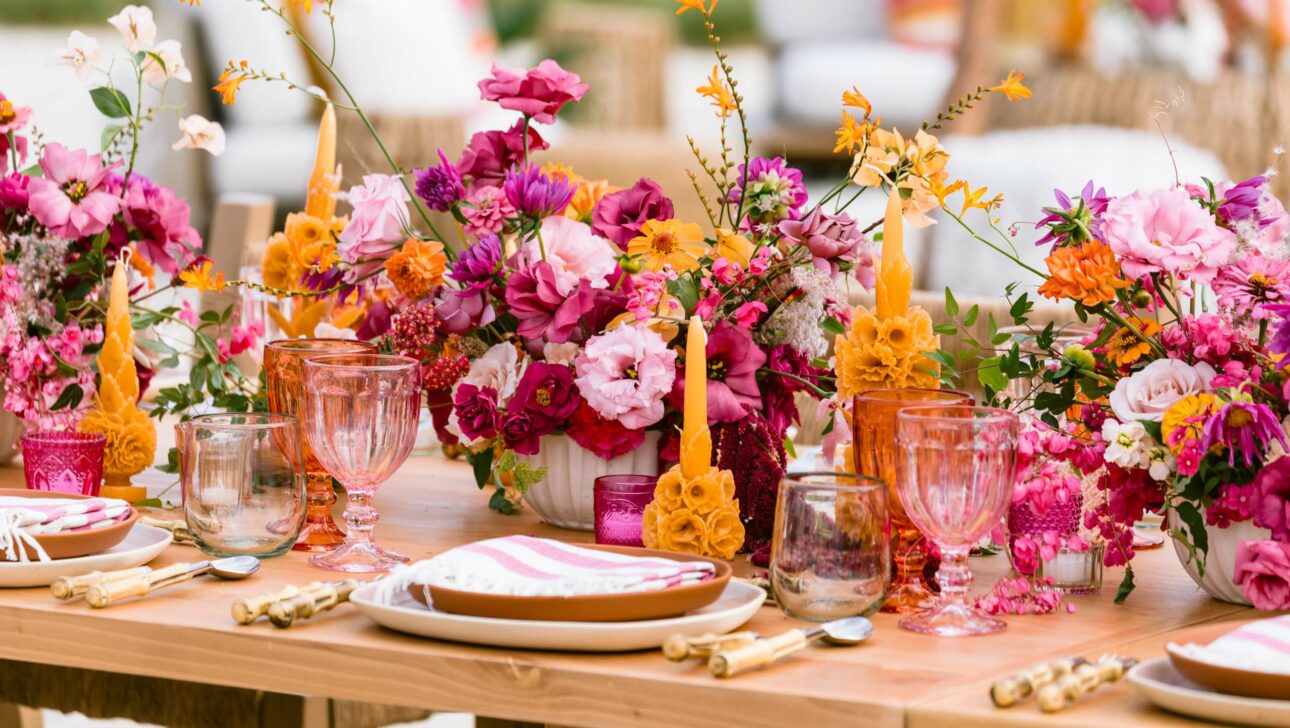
[
  {"x": 607, "y": 439},
  {"x": 489, "y": 154},
  {"x": 547, "y": 394},
  {"x": 476, "y": 409},
  {"x": 518, "y": 435}
]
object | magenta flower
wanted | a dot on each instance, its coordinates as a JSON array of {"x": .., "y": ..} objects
[
  {"x": 14, "y": 192},
  {"x": 779, "y": 391},
  {"x": 489, "y": 154},
  {"x": 1245, "y": 427},
  {"x": 538, "y": 92},
  {"x": 547, "y": 394},
  {"x": 749, "y": 313},
  {"x": 476, "y": 410},
  {"x": 1166, "y": 231},
  {"x": 440, "y": 186},
  {"x": 1074, "y": 219},
  {"x": 461, "y": 311},
  {"x": 625, "y": 373},
  {"x": 1209, "y": 338},
  {"x": 519, "y": 435},
  {"x": 606, "y": 439},
  {"x": 486, "y": 210},
  {"x": 1272, "y": 498},
  {"x": 620, "y": 215},
  {"x": 159, "y": 219},
  {"x": 544, "y": 314},
  {"x": 535, "y": 194},
  {"x": 1254, "y": 281},
  {"x": 832, "y": 239},
  {"x": 1263, "y": 573},
  {"x": 72, "y": 199},
  {"x": 477, "y": 264},
  {"x": 733, "y": 361},
  {"x": 19, "y": 148},
  {"x": 771, "y": 191}
]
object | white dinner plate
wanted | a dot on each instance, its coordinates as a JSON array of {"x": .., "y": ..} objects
[
  {"x": 736, "y": 605},
  {"x": 142, "y": 545},
  {"x": 1163, "y": 686}
]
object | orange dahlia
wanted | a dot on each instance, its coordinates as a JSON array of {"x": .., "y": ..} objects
[
  {"x": 417, "y": 267},
  {"x": 1089, "y": 274}
]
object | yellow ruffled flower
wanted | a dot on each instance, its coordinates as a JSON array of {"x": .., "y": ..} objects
[
  {"x": 875, "y": 354},
  {"x": 649, "y": 526},
  {"x": 131, "y": 439},
  {"x": 668, "y": 493},
  {"x": 724, "y": 532},
  {"x": 304, "y": 230},
  {"x": 275, "y": 269},
  {"x": 707, "y": 492},
  {"x": 683, "y": 532},
  {"x": 857, "y": 100}
]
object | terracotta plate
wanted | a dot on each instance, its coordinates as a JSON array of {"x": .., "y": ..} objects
[
  {"x": 80, "y": 543},
  {"x": 631, "y": 607},
  {"x": 1229, "y": 680}
]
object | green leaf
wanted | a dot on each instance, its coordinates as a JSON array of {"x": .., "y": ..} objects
[
  {"x": 685, "y": 291},
  {"x": 948, "y": 329},
  {"x": 1197, "y": 536},
  {"x": 990, "y": 374},
  {"x": 107, "y": 135},
  {"x": 500, "y": 503},
  {"x": 789, "y": 449},
  {"x": 149, "y": 503},
  {"x": 1020, "y": 308},
  {"x": 70, "y": 397},
  {"x": 942, "y": 357},
  {"x": 172, "y": 461},
  {"x": 110, "y": 102},
  {"x": 482, "y": 464},
  {"x": 951, "y": 305},
  {"x": 972, "y": 313},
  {"x": 1126, "y": 585},
  {"x": 833, "y": 326}
]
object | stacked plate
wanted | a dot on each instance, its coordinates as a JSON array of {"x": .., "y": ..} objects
[
  {"x": 590, "y": 623},
  {"x": 122, "y": 545}
]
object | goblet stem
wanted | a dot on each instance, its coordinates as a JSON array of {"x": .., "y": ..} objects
[
  {"x": 954, "y": 575},
  {"x": 909, "y": 593},
  {"x": 361, "y": 517},
  {"x": 320, "y": 532}
]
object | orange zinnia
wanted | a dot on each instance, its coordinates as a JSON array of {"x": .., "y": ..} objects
[
  {"x": 417, "y": 267},
  {"x": 1089, "y": 274}
]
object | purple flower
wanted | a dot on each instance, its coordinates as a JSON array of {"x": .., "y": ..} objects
[
  {"x": 1254, "y": 281},
  {"x": 1242, "y": 200},
  {"x": 830, "y": 238},
  {"x": 620, "y": 215},
  {"x": 1247, "y": 427},
  {"x": 1272, "y": 498},
  {"x": 1073, "y": 219},
  {"x": 534, "y": 193},
  {"x": 476, "y": 410},
  {"x": 1280, "y": 341},
  {"x": 477, "y": 264},
  {"x": 461, "y": 311},
  {"x": 733, "y": 361},
  {"x": 547, "y": 394},
  {"x": 440, "y": 187},
  {"x": 771, "y": 190},
  {"x": 489, "y": 154},
  {"x": 518, "y": 434}
]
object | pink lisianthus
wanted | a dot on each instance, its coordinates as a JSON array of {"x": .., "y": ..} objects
[
  {"x": 1166, "y": 231},
  {"x": 832, "y": 239},
  {"x": 733, "y": 361},
  {"x": 377, "y": 224},
  {"x": 486, "y": 209},
  {"x": 619, "y": 215},
  {"x": 749, "y": 313},
  {"x": 1271, "y": 507},
  {"x": 547, "y": 316},
  {"x": 72, "y": 199},
  {"x": 574, "y": 253},
  {"x": 1263, "y": 573},
  {"x": 538, "y": 92},
  {"x": 625, "y": 373}
]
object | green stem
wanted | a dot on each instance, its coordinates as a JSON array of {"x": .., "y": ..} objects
[
  {"x": 1010, "y": 256},
  {"x": 816, "y": 390}
]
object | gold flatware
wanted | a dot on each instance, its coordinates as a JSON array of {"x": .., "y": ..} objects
[
  {"x": 848, "y": 631},
  {"x": 178, "y": 529},
  {"x": 680, "y": 647},
  {"x": 107, "y": 593},
  {"x": 1082, "y": 680},
  {"x": 1021, "y": 685},
  {"x": 328, "y": 596},
  {"x": 70, "y": 587}
]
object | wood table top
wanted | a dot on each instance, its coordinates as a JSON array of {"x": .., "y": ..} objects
[{"x": 897, "y": 678}]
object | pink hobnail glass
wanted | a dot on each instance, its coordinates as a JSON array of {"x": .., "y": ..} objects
[
  {"x": 361, "y": 414},
  {"x": 956, "y": 472},
  {"x": 620, "y": 502},
  {"x": 64, "y": 462}
]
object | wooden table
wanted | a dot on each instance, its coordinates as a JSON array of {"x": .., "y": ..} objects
[{"x": 897, "y": 678}]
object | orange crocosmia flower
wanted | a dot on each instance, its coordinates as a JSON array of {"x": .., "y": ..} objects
[
  {"x": 939, "y": 188},
  {"x": 309, "y": 5},
  {"x": 417, "y": 267},
  {"x": 228, "y": 84},
  {"x": 851, "y": 134},
  {"x": 1089, "y": 274},
  {"x": 857, "y": 100},
  {"x": 695, "y": 5},
  {"x": 191, "y": 3},
  {"x": 144, "y": 267},
  {"x": 973, "y": 199},
  {"x": 1012, "y": 87},
  {"x": 719, "y": 93},
  {"x": 199, "y": 277}
]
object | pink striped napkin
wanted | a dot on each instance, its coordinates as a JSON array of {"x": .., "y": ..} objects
[
  {"x": 21, "y": 519},
  {"x": 1262, "y": 646},
  {"x": 527, "y": 566}
]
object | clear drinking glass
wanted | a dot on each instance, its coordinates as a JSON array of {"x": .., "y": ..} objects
[
  {"x": 620, "y": 502},
  {"x": 64, "y": 462},
  {"x": 831, "y": 553},
  {"x": 243, "y": 477},
  {"x": 361, "y": 414},
  {"x": 874, "y": 432},
  {"x": 957, "y": 468},
  {"x": 284, "y": 382}
]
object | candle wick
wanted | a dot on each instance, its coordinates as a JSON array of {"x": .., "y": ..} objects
[{"x": 123, "y": 258}]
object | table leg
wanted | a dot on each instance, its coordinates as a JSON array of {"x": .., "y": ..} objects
[
  {"x": 13, "y": 715},
  {"x": 293, "y": 711}
]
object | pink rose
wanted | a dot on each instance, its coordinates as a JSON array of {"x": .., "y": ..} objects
[
  {"x": 575, "y": 253},
  {"x": 1149, "y": 392},
  {"x": 538, "y": 92},
  {"x": 377, "y": 224},
  {"x": 1263, "y": 573},
  {"x": 1166, "y": 231}
]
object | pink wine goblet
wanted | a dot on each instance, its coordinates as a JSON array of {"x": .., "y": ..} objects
[
  {"x": 361, "y": 413},
  {"x": 957, "y": 468}
]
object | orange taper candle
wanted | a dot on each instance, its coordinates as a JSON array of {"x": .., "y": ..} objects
[
  {"x": 324, "y": 181},
  {"x": 696, "y": 441},
  {"x": 895, "y": 275}
]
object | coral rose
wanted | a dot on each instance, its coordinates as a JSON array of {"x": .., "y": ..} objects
[
  {"x": 724, "y": 532},
  {"x": 683, "y": 532}
]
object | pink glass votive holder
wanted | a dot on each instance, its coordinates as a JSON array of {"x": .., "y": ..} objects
[
  {"x": 64, "y": 462},
  {"x": 620, "y": 502}
]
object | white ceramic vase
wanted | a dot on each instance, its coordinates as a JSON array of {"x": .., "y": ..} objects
[
  {"x": 564, "y": 497},
  {"x": 1220, "y": 560}
]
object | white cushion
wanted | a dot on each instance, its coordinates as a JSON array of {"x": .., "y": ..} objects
[
  {"x": 239, "y": 31},
  {"x": 1026, "y": 165},
  {"x": 785, "y": 21},
  {"x": 906, "y": 85},
  {"x": 272, "y": 160}
]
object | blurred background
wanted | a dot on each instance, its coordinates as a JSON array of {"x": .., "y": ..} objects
[{"x": 1105, "y": 73}]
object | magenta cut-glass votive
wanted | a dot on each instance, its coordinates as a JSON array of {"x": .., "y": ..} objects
[
  {"x": 620, "y": 502},
  {"x": 64, "y": 462}
]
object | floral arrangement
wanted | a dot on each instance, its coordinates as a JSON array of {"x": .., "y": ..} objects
[
  {"x": 1174, "y": 400},
  {"x": 66, "y": 216}
]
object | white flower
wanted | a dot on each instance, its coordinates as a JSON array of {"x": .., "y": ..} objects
[
  {"x": 500, "y": 368},
  {"x": 560, "y": 353},
  {"x": 200, "y": 133},
  {"x": 327, "y": 331},
  {"x": 81, "y": 53},
  {"x": 1162, "y": 463},
  {"x": 171, "y": 65},
  {"x": 136, "y": 26},
  {"x": 1127, "y": 445}
]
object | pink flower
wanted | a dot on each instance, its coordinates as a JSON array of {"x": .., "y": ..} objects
[
  {"x": 489, "y": 154},
  {"x": 575, "y": 253},
  {"x": 188, "y": 314},
  {"x": 538, "y": 92},
  {"x": 240, "y": 339},
  {"x": 1189, "y": 458},
  {"x": 486, "y": 209},
  {"x": 733, "y": 361},
  {"x": 1208, "y": 337},
  {"x": 12, "y": 118},
  {"x": 1272, "y": 498},
  {"x": 547, "y": 316},
  {"x": 159, "y": 219},
  {"x": 1253, "y": 281},
  {"x": 1166, "y": 231},
  {"x": 1263, "y": 573},
  {"x": 624, "y": 374},
  {"x": 832, "y": 239},
  {"x": 748, "y": 314},
  {"x": 1147, "y": 393},
  {"x": 606, "y": 439},
  {"x": 72, "y": 199},
  {"x": 19, "y": 147},
  {"x": 377, "y": 224},
  {"x": 620, "y": 215},
  {"x": 1233, "y": 503}
]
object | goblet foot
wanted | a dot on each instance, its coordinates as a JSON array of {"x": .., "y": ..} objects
[
  {"x": 358, "y": 558},
  {"x": 319, "y": 534},
  {"x": 953, "y": 620},
  {"x": 910, "y": 597}
]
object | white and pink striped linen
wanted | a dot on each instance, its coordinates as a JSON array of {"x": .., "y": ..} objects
[
  {"x": 528, "y": 566},
  {"x": 1262, "y": 646},
  {"x": 21, "y": 519}
]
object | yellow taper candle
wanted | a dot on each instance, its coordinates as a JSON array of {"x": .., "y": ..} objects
[
  {"x": 895, "y": 275},
  {"x": 324, "y": 181},
  {"x": 696, "y": 441},
  {"x": 131, "y": 434}
]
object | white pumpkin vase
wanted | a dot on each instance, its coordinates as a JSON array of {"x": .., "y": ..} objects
[
  {"x": 564, "y": 497},
  {"x": 1220, "y": 560}
]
